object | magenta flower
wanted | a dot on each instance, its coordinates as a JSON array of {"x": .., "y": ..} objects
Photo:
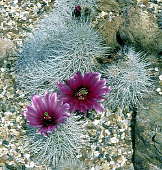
[
  {"x": 77, "y": 11},
  {"x": 84, "y": 92},
  {"x": 46, "y": 112}
]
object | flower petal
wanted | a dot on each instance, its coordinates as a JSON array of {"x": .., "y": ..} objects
[
  {"x": 38, "y": 103},
  {"x": 98, "y": 107},
  {"x": 64, "y": 88}
]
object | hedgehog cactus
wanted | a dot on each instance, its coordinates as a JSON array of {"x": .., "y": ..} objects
[
  {"x": 62, "y": 144},
  {"x": 59, "y": 56},
  {"x": 130, "y": 80}
]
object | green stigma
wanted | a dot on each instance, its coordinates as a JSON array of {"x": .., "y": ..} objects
[
  {"x": 82, "y": 93},
  {"x": 46, "y": 114}
]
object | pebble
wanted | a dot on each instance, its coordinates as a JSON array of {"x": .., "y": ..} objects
[
  {"x": 110, "y": 129},
  {"x": 158, "y": 89},
  {"x": 6, "y": 47},
  {"x": 156, "y": 69},
  {"x": 114, "y": 140},
  {"x": 17, "y": 16}
]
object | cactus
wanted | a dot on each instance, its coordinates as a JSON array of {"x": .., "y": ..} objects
[
  {"x": 61, "y": 144},
  {"x": 130, "y": 80},
  {"x": 73, "y": 49}
]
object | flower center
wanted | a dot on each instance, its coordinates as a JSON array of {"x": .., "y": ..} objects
[
  {"x": 81, "y": 93},
  {"x": 47, "y": 119}
]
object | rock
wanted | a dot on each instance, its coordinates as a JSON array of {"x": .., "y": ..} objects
[
  {"x": 142, "y": 27},
  {"x": 128, "y": 22},
  {"x": 108, "y": 5},
  {"x": 110, "y": 23},
  {"x": 148, "y": 152},
  {"x": 109, "y": 30},
  {"x": 7, "y": 48}
]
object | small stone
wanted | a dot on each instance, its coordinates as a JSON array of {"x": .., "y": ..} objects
[
  {"x": 103, "y": 14},
  {"x": 30, "y": 165},
  {"x": 96, "y": 122},
  {"x": 160, "y": 93},
  {"x": 5, "y": 142},
  {"x": 158, "y": 89},
  {"x": 156, "y": 69},
  {"x": 160, "y": 77},
  {"x": 107, "y": 132},
  {"x": 114, "y": 140},
  {"x": 27, "y": 156},
  {"x": 112, "y": 162},
  {"x": 6, "y": 48},
  {"x": 106, "y": 125},
  {"x": 3, "y": 70},
  {"x": 92, "y": 132}
]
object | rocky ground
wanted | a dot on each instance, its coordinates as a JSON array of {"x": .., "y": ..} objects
[{"x": 110, "y": 134}]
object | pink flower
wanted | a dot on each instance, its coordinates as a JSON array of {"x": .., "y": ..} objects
[
  {"x": 84, "y": 92},
  {"x": 77, "y": 11},
  {"x": 78, "y": 8},
  {"x": 46, "y": 112}
]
